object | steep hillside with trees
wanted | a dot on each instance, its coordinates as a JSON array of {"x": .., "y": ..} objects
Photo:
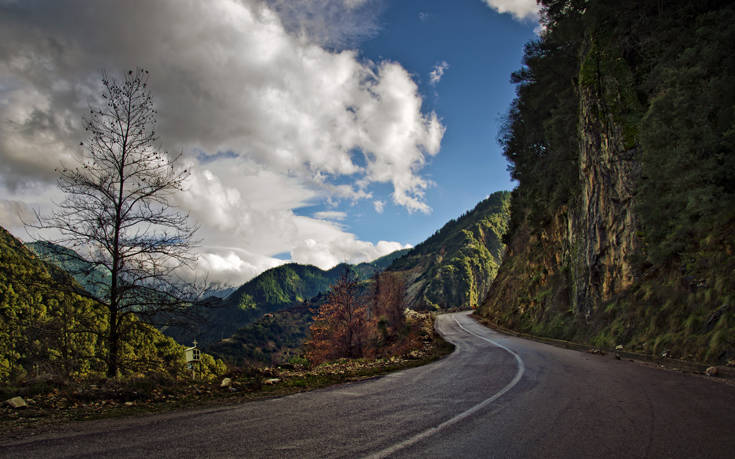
[
  {"x": 50, "y": 327},
  {"x": 622, "y": 139},
  {"x": 455, "y": 266}
]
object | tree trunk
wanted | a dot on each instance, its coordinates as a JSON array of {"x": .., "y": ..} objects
[{"x": 113, "y": 345}]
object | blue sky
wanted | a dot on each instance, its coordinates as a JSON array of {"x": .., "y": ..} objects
[
  {"x": 481, "y": 48},
  {"x": 317, "y": 132}
]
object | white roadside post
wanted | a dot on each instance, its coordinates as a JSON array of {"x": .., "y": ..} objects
[{"x": 191, "y": 354}]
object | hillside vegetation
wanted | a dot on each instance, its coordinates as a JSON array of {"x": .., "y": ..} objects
[
  {"x": 49, "y": 328},
  {"x": 273, "y": 338},
  {"x": 622, "y": 139},
  {"x": 456, "y": 265}
]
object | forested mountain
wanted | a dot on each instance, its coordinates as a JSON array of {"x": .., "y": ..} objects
[
  {"x": 622, "y": 139},
  {"x": 455, "y": 266},
  {"x": 274, "y": 290},
  {"x": 42, "y": 315},
  {"x": 267, "y": 318},
  {"x": 273, "y": 338},
  {"x": 49, "y": 327},
  {"x": 370, "y": 269},
  {"x": 225, "y": 310}
]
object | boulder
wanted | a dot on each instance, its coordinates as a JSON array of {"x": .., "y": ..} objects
[{"x": 17, "y": 403}]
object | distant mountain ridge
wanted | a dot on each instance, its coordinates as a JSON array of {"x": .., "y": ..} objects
[
  {"x": 92, "y": 279},
  {"x": 452, "y": 268},
  {"x": 274, "y": 290}
]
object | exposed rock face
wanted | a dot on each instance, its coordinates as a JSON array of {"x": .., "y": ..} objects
[
  {"x": 554, "y": 281},
  {"x": 604, "y": 226}
]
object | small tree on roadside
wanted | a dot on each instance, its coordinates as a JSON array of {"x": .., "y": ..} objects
[
  {"x": 341, "y": 325},
  {"x": 117, "y": 213},
  {"x": 389, "y": 302}
]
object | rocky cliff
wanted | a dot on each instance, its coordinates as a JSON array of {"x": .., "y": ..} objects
[{"x": 627, "y": 243}]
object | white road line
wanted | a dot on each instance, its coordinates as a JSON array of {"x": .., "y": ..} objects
[{"x": 469, "y": 412}]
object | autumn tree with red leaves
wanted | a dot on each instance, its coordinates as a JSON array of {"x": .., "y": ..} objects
[{"x": 341, "y": 327}]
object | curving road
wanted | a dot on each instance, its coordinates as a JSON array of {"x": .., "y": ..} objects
[{"x": 495, "y": 396}]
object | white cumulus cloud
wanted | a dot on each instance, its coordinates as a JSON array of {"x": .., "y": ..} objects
[
  {"x": 269, "y": 116},
  {"x": 520, "y": 9}
]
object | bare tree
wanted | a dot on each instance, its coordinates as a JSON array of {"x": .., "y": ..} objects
[{"x": 117, "y": 212}]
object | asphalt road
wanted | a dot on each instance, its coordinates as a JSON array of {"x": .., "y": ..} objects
[{"x": 495, "y": 396}]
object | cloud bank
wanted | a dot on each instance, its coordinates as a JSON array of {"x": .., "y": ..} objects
[{"x": 270, "y": 117}]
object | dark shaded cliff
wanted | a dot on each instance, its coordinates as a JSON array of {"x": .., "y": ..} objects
[{"x": 622, "y": 138}]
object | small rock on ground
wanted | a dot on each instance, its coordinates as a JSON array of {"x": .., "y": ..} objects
[{"x": 17, "y": 403}]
